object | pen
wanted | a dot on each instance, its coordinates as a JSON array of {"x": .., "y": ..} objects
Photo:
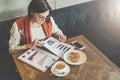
[{"x": 50, "y": 63}]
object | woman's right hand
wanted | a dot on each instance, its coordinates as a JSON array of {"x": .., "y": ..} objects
[
  {"x": 38, "y": 43},
  {"x": 35, "y": 43}
]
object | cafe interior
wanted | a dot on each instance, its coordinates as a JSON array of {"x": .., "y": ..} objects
[{"x": 97, "y": 20}]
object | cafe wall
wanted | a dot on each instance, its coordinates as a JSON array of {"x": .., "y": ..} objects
[{"x": 10, "y": 9}]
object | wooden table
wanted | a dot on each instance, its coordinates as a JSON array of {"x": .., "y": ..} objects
[{"x": 97, "y": 67}]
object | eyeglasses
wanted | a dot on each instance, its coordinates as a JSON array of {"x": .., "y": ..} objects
[{"x": 41, "y": 18}]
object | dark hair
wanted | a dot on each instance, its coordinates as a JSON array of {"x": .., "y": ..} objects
[{"x": 38, "y": 6}]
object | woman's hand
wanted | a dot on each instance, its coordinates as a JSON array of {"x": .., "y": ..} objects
[
  {"x": 35, "y": 43},
  {"x": 38, "y": 43},
  {"x": 61, "y": 38}
]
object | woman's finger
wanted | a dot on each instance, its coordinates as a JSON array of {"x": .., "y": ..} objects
[{"x": 62, "y": 38}]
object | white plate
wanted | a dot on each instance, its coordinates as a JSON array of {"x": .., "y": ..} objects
[
  {"x": 83, "y": 57},
  {"x": 60, "y": 74}
]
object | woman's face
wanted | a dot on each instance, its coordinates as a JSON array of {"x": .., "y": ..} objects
[{"x": 39, "y": 18}]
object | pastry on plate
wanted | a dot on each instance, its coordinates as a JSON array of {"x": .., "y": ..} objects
[{"x": 74, "y": 56}]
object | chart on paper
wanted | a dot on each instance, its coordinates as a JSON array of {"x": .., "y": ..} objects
[{"x": 58, "y": 48}]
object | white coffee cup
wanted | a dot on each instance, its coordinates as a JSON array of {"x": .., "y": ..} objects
[{"x": 60, "y": 67}]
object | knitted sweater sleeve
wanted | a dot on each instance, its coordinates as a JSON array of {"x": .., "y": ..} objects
[{"x": 14, "y": 42}]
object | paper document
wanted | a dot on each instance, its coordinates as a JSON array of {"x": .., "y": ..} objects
[
  {"x": 58, "y": 48},
  {"x": 38, "y": 58}
]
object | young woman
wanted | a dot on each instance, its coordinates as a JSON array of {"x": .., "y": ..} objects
[{"x": 30, "y": 30}]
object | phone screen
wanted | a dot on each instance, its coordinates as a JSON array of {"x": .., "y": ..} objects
[{"x": 78, "y": 44}]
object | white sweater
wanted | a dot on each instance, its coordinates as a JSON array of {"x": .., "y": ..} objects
[{"x": 36, "y": 33}]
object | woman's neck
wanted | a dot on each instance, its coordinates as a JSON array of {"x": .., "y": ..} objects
[{"x": 34, "y": 24}]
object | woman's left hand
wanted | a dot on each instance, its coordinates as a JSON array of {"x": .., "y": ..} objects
[{"x": 61, "y": 38}]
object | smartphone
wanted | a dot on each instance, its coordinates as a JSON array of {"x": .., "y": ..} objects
[{"x": 77, "y": 45}]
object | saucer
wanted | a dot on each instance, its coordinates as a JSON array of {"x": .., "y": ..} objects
[{"x": 60, "y": 74}]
